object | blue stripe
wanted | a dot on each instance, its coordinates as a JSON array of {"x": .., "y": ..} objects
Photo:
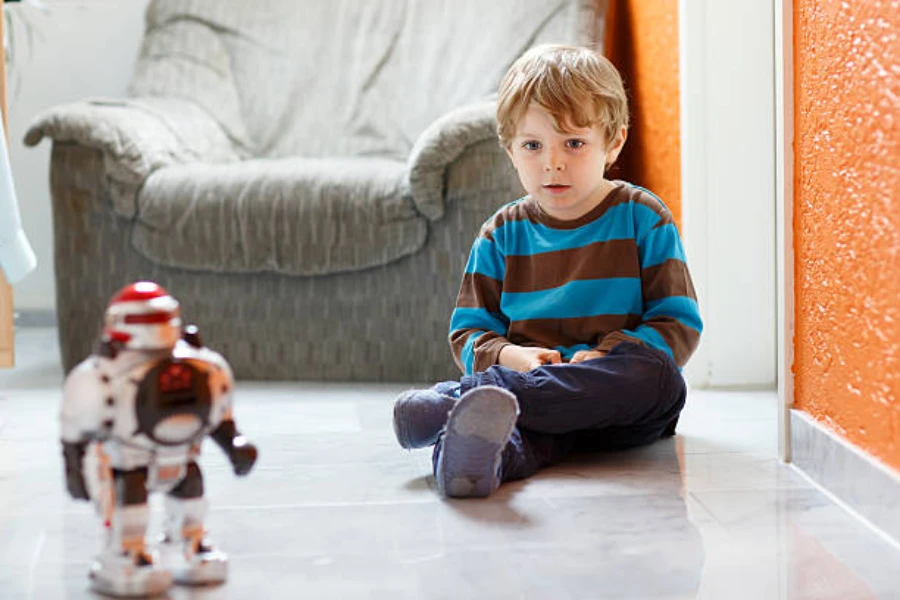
[
  {"x": 583, "y": 298},
  {"x": 645, "y": 218},
  {"x": 652, "y": 338},
  {"x": 486, "y": 259},
  {"x": 477, "y": 318},
  {"x": 684, "y": 310},
  {"x": 525, "y": 238},
  {"x": 468, "y": 352},
  {"x": 660, "y": 245}
]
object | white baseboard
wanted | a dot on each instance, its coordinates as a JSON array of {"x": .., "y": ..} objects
[
  {"x": 865, "y": 485},
  {"x": 34, "y": 318}
]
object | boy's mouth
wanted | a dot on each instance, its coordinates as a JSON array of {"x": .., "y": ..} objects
[{"x": 556, "y": 188}]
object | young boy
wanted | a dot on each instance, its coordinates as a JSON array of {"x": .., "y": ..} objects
[{"x": 576, "y": 310}]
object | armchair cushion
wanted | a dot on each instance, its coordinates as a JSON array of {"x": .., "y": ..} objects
[
  {"x": 136, "y": 136},
  {"x": 442, "y": 143},
  {"x": 294, "y": 216}
]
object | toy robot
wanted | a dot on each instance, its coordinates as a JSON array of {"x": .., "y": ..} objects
[{"x": 145, "y": 399}]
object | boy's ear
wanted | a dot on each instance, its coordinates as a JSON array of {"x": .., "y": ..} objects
[
  {"x": 510, "y": 155},
  {"x": 612, "y": 153}
]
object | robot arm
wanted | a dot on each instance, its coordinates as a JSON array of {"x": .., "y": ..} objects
[
  {"x": 73, "y": 454},
  {"x": 240, "y": 452},
  {"x": 79, "y": 421}
]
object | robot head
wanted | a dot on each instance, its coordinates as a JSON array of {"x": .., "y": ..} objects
[{"x": 143, "y": 316}]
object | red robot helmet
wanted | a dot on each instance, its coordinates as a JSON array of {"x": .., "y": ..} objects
[{"x": 143, "y": 316}]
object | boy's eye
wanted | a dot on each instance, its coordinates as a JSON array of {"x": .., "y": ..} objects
[
  {"x": 531, "y": 145},
  {"x": 575, "y": 144}
]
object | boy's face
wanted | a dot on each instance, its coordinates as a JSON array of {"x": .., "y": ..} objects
[{"x": 563, "y": 171}]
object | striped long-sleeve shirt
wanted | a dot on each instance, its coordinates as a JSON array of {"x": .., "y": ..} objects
[{"x": 616, "y": 274}]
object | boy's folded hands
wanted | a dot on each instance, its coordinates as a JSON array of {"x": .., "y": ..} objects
[
  {"x": 526, "y": 358},
  {"x": 583, "y": 355}
]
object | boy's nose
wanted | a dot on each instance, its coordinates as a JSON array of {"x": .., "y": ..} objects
[{"x": 554, "y": 160}]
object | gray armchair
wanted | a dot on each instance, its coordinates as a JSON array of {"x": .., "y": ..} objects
[{"x": 306, "y": 177}]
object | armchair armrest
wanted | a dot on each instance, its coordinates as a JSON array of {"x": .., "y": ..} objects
[
  {"x": 137, "y": 136},
  {"x": 442, "y": 143}
]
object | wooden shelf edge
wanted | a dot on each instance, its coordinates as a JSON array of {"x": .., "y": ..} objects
[{"x": 7, "y": 341}]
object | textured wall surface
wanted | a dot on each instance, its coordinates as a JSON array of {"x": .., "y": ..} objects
[
  {"x": 847, "y": 219},
  {"x": 642, "y": 41}
]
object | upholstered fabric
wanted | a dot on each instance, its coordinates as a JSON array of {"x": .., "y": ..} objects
[
  {"x": 442, "y": 143},
  {"x": 305, "y": 176},
  {"x": 137, "y": 136},
  {"x": 341, "y": 77},
  {"x": 386, "y": 323},
  {"x": 295, "y": 216}
]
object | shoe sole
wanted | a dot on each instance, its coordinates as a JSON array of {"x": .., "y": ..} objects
[
  {"x": 477, "y": 431},
  {"x": 400, "y": 430},
  {"x": 402, "y": 421}
]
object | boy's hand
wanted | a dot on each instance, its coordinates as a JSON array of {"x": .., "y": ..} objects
[
  {"x": 583, "y": 355},
  {"x": 522, "y": 358}
]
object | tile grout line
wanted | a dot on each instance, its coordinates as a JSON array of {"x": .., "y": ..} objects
[{"x": 32, "y": 568}]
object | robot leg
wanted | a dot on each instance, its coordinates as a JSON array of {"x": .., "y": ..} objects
[
  {"x": 198, "y": 562},
  {"x": 125, "y": 567}
]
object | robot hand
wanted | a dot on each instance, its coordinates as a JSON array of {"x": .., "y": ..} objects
[
  {"x": 77, "y": 486},
  {"x": 243, "y": 456},
  {"x": 240, "y": 452},
  {"x": 73, "y": 453}
]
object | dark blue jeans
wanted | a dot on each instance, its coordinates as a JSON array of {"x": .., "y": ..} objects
[{"x": 630, "y": 397}]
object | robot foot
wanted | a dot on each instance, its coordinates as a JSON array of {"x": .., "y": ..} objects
[
  {"x": 206, "y": 565},
  {"x": 127, "y": 575}
]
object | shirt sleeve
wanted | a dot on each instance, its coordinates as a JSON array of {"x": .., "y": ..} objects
[
  {"x": 670, "y": 320},
  {"x": 478, "y": 327}
]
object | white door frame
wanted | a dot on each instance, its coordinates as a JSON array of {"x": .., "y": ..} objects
[
  {"x": 728, "y": 182},
  {"x": 784, "y": 163}
]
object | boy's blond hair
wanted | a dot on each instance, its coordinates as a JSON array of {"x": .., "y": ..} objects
[{"x": 577, "y": 86}]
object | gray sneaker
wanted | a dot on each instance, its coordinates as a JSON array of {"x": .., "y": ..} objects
[
  {"x": 478, "y": 429},
  {"x": 420, "y": 415}
]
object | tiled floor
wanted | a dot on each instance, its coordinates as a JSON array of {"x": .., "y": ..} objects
[{"x": 335, "y": 509}]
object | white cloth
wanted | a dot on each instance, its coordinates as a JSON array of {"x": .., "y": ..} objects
[
  {"x": 322, "y": 78},
  {"x": 17, "y": 259}
]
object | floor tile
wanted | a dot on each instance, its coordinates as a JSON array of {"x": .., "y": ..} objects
[{"x": 335, "y": 509}]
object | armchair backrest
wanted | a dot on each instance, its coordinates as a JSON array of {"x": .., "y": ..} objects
[{"x": 341, "y": 77}]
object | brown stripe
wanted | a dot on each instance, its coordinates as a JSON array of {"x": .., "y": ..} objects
[
  {"x": 486, "y": 348},
  {"x": 479, "y": 291},
  {"x": 648, "y": 200},
  {"x": 457, "y": 341},
  {"x": 528, "y": 208},
  {"x": 600, "y": 260},
  {"x": 670, "y": 278},
  {"x": 568, "y": 332},
  {"x": 617, "y": 337},
  {"x": 510, "y": 212},
  {"x": 682, "y": 339},
  {"x": 621, "y": 194}
]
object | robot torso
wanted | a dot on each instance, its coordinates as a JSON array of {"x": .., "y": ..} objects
[{"x": 149, "y": 408}]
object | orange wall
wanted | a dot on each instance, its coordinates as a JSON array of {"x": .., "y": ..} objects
[
  {"x": 642, "y": 41},
  {"x": 847, "y": 219}
]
